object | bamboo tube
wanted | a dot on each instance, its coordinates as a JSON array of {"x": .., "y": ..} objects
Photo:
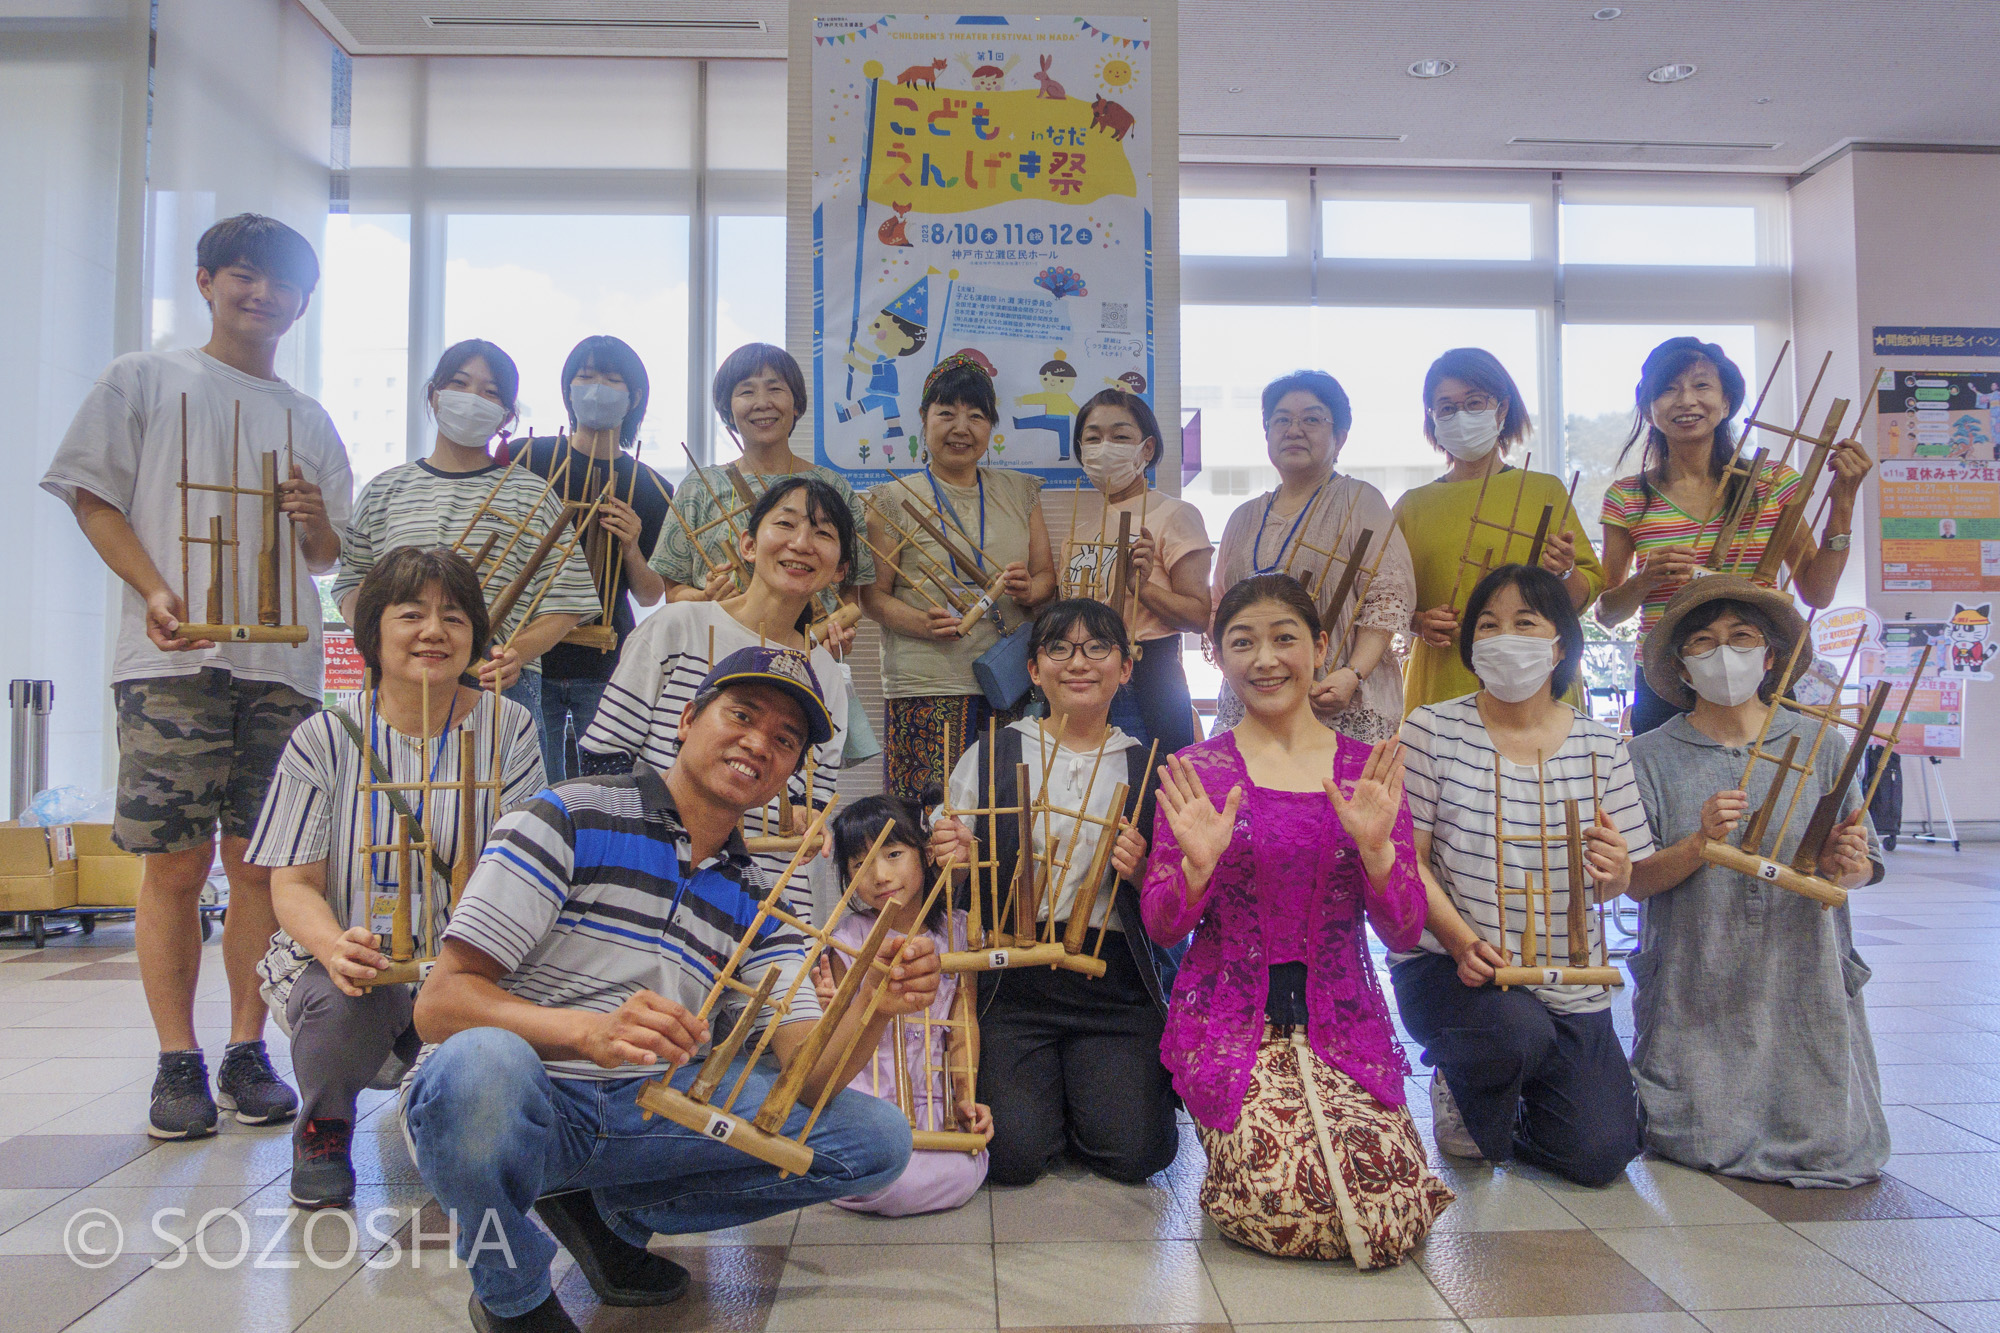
[
  {"x": 1086, "y": 892},
  {"x": 215, "y": 572},
  {"x": 1579, "y": 893},
  {"x": 403, "y": 947},
  {"x": 186, "y": 535},
  {"x": 270, "y": 593},
  {"x": 235, "y": 603}
]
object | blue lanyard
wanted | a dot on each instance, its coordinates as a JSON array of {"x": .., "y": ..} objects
[
  {"x": 945, "y": 507},
  {"x": 380, "y": 877},
  {"x": 1257, "y": 547}
]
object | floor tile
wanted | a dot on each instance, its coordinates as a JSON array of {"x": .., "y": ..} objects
[
  {"x": 1108, "y": 1282},
  {"x": 1924, "y": 993},
  {"x": 1953, "y": 1048},
  {"x": 1885, "y": 1021},
  {"x": 1969, "y": 1182},
  {"x": 61, "y": 1291},
  {"x": 1506, "y": 1197},
  {"x": 1258, "y": 1289},
  {"x": 409, "y": 1292},
  {"x": 1654, "y": 1193},
  {"x": 379, "y": 1214},
  {"x": 197, "y": 1298},
  {"x": 1742, "y": 1267},
  {"x": 44, "y": 1043},
  {"x": 824, "y": 1224},
  {"x": 1885, "y": 1198},
  {"x": 1838, "y": 1319},
  {"x": 1913, "y": 1129},
  {"x": 17, "y": 1206},
  {"x": 1918, "y": 1259},
  {"x": 102, "y": 1220},
  {"x": 107, "y": 1073},
  {"x": 21, "y": 1112},
  {"x": 1936, "y": 1084},
  {"x": 67, "y": 1160},
  {"x": 1344, "y": 1326},
  {"x": 1666, "y": 1321},
  {"x": 1980, "y": 1119},
  {"x": 1985, "y": 1017},
  {"x": 123, "y": 1112},
  {"x": 105, "y": 970},
  {"x": 1520, "y": 1274},
  {"x": 731, "y": 1289},
  {"x": 1966, "y": 1316},
  {"x": 1079, "y": 1206},
  {"x": 778, "y": 1230},
  {"x": 255, "y": 1157},
  {"x": 885, "y": 1287}
]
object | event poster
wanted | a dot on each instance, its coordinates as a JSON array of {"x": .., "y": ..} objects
[
  {"x": 1959, "y": 650},
  {"x": 1935, "y": 722},
  {"x": 1938, "y": 433},
  {"x": 981, "y": 184}
]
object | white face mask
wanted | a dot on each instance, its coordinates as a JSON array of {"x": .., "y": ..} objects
[
  {"x": 1112, "y": 465},
  {"x": 1514, "y": 666},
  {"x": 466, "y": 419},
  {"x": 599, "y": 406},
  {"x": 1726, "y": 676},
  {"x": 1468, "y": 436}
]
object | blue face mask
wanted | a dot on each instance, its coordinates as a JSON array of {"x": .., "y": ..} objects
[{"x": 599, "y": 406}]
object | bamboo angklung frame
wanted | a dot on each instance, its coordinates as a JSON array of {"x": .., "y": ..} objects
[
  {"x": 1110, "y": 579},
  {"x": 1785, "y": 534},
  {"x": 1015, "y": 936},
  {"x": 1579, "y": 892},
  {"x": 761, "y": 1135},
  {"x": 416, "y": 879},
  {"x": 222, "y": 620},
  {"x": 1507, "y": 531},
  {"x": 604, "y": 553},
  {"x": 1722, "y": 557}
]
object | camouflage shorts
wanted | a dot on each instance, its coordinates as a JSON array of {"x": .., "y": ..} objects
[{"x": 194, "y": 750}]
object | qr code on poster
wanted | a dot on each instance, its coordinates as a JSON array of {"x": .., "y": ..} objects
[{"x": 1115, "y": 316}]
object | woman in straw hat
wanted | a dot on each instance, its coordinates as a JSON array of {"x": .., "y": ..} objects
[{"x": 1751, "y": 1047}]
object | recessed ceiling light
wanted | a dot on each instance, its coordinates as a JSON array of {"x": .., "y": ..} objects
[
  {"x": 1762, "y": 101},
  {"x": 1606, "y": 14},
  {"x": 1432, "y": 69},
  {"x": 1670, "y": 73},
  {"x": 1236, "y": 88}
]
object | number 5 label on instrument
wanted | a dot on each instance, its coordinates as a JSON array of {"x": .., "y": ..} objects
[{"x": 997, "y": 960}]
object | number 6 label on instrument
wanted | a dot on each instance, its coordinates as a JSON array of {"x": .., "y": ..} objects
[
  {"x": 1767, "y": 870},
  {"x": 720, "y": 1127}
]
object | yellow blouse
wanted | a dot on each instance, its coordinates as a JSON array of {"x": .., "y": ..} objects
[{"x": 1435, "y": 518}]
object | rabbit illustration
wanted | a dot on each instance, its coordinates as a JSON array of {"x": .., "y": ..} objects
[{"x": 1051, "y": 90}]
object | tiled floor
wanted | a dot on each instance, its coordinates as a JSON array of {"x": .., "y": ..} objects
[{"x": 1664, "y": 1249}]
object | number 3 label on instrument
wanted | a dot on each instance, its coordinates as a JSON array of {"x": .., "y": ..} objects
[
  {"x": 720, "y": 1127},
  {"x": 1767, "y": 870}
]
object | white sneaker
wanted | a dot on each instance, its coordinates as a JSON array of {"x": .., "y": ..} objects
[{"x": 1447, "y": 1125}]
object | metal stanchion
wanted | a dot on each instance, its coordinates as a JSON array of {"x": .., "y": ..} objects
[{"x": 32, "y": 700}]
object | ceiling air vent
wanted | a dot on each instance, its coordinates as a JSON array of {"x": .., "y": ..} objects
[
  {"x": 1297, "y": 138},
  {"x": 626, "y": 25},
  {"x": 1637, "y": 143}
]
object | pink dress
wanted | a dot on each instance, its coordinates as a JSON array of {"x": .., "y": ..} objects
[
  {"x": 933, "y": 1181},
  {"x": 1290, "y": 888}
]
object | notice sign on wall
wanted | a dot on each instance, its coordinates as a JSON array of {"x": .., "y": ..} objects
[
  {"x": 1938, "y": 434},
  {"x": 1935, "y": 723},
  {"x": 981, "y": 185}
]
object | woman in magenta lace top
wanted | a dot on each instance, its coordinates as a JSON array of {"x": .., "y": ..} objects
[{"x": 1273, "y": 841}]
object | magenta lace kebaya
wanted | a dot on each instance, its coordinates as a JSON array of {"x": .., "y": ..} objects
[{"x": 1290, "y": 888}]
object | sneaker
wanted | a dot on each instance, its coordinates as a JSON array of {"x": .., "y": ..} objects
[
  {"x": 548, "y": 1317},
  {"x": 247, "y": 1085},
  {"x": 182, "y": 1108},
  {"x": 618, "y": 1271},
  {"x": 323, "y": 1165},
  {"x": 1447, "y": 1125}
]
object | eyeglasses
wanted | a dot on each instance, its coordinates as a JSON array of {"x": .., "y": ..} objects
[
  {"x": 1703, "y": 642},
  {"x": 1061, "y": 650},
  {"x": 1284, "y": 421},
  {"x": 1478, "y": 402}
]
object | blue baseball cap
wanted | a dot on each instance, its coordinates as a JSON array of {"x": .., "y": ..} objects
[{"x": 781, "y": 668}]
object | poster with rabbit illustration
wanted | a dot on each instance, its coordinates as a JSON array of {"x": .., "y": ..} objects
[{"x": 981, "y": 184}]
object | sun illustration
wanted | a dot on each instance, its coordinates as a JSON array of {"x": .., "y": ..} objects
[{"x": 1115, "y": 73}]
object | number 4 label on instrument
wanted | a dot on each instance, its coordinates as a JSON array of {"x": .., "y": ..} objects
[
  {"x": 1767, "y": 870},
  {"x": 720, "y": 1127}
]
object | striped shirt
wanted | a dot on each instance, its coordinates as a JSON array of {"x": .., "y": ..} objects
[
  {"x": 314, "y": 812},
  {"x": 588, "y": 894},
  {"x": 416, "y": 505},
  {"x": 1657, "y": 522},
  {"x": 1449, "y": 781},
  {"x": 660, "y": 668}
]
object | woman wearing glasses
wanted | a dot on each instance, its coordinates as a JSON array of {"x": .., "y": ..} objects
[
  {"x": 1474, "y": 416},
  {"x": 1315, "y": 510}
]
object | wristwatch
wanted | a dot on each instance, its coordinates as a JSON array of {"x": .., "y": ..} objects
[{"x": 1837, "y": 541}]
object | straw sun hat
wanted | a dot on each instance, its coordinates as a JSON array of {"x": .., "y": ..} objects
[{"x": 1663, "y": 668}]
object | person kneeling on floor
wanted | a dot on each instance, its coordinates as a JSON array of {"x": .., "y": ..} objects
[{"x": 572, "y": 972}]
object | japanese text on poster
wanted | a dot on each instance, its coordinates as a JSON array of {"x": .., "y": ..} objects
[{"x": 1938, "y": 433}]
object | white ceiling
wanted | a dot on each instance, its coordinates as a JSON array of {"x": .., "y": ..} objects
[{"x": 1310, "y": 71}]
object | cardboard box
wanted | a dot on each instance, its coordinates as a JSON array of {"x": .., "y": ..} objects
[
  {"x": 106, "y": 874},
  {"x": 37, "y": 868}
]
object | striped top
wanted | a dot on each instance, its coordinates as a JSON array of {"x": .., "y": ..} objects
[
  {"x": 589, "y": 894},
  {"x": 1661, "y": 522},
  {"x": 1449, "y": 785},
  {"x": 660, "y": 668},
  {"x": 417, "y": 505},
  {"x": 314, "y": 812}
]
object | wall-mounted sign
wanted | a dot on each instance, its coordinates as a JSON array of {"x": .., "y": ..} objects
[{"x": 1907, "y": 340}]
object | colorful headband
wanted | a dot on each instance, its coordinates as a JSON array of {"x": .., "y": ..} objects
[{"x": 952, "y": 362}]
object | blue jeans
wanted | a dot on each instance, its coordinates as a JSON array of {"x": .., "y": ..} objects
[
  {"x": 494, "y": 1133},
  {"x": 564, "y": 702},
  {"x": 527, "y": 692}
]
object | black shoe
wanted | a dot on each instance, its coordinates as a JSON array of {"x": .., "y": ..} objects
[
  {"x": 182, "y": 1107},
  {"x": 548, "y": 1317},
  {"x": 619, "y": 1272},
  {"x": 323, "y": 1165},
  {"x": 247, "y": 1085}
]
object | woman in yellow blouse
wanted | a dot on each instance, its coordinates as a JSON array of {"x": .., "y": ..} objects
[{"x": 1473, "y": 414}]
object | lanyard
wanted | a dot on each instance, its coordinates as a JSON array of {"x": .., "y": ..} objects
[
  {"x": 380, "y": 876},
  {"x": 945, "y": 507},
  {"x": 1256, "y": 547}
]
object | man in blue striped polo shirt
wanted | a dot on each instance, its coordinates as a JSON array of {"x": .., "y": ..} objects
[{"x": 571, "y": 973}]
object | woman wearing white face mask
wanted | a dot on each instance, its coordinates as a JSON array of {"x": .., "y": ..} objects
[
  {"x": 430, "y": 501},
  {"x": 1117, "y": 439},
  {"x": 1473, "y": 414},
  {"x": 1534, "y": 1072},
  {"x": 1751, "y": 1045}
]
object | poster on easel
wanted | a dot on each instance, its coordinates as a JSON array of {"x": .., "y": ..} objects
[
  {"x": 1938, "y": 438},
  {"x": 1934, "y": 725},
  {"x": 981, "y": 184}
]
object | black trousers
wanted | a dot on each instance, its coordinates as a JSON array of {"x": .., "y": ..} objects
[
  {"x": 1552, "y": 1089},
  {"x": 1649, "y": 710},
  {"x": 1155, "y": 704},
  {"x": 1071, "y": 1063}
]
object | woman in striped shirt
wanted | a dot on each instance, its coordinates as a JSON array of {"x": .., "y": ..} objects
[
  {"x": 419, "y": 624},
  {"x": 1670, "y": 515}
]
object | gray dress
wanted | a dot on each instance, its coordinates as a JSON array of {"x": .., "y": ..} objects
[{"x": 1751, "y": 1045}]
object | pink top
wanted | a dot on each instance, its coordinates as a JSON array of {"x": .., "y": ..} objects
[{"x": 1290, "y": 888}]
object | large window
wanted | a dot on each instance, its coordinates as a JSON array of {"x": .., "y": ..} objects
[{"x": 364, "y": 300}]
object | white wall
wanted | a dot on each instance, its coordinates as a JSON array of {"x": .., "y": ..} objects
[{"x": 1902, "y": 238}]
